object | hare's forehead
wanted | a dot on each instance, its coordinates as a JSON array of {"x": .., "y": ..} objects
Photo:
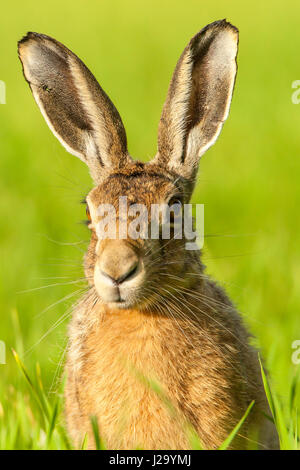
[{"x": 143, "y": 189}]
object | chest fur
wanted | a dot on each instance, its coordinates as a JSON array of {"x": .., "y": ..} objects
[
  {"x": 129, "y": 377},
  {"x": 147, "y": 378}
]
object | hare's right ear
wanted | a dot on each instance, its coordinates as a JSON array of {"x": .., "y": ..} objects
[
  {"x": 199, "y": 98},
  {"x": 75, "y": 107}
]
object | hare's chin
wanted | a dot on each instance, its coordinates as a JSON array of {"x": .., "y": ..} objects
[
  {"x": 116, "y": 298},
  {"x": 122, "y": 303}
]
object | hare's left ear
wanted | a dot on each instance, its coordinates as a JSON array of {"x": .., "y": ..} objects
[
  {"x": 77, "y": 110},
  {"x": 198, "y": 99}
]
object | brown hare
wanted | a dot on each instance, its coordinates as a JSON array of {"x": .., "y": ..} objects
[{"x": 156, "y": 348}]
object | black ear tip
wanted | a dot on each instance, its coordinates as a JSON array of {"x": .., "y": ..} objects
[
  {"x": 32, "y": 35},
  {"x": 224, "y": 24},
  {"x": 23, "y": 40},
  {"x": 220, "y": 25},
  {"x": 210, "y": 31},
  {"x": 27, "y": 37}
]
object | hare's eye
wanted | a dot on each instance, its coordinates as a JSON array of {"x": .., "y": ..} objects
[
  {"x": 174, "y": 201},
  {"x": 87, "y": 210},
  {"x": 175, "y": 204}
]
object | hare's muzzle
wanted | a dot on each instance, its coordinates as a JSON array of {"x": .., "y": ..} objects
[{"x": 118, "y": 272}]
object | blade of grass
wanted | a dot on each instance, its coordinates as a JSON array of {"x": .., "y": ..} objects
[
  {"x": 63, "y": 434},
  {"x": 95, "y": 427},
  {"x": 267, "y": 390},
  {"x": 296, "y": 431},
  {"x": 275, "y": 407},
  {"x": 294, "y": 389},
  {"x": 193, "y": 438},
  {"x": 43, "y": 409},
  {"x": 39, "y": 376},
  {"x": 17, "y": 331},
  {"x": 41, "y": 390},
  {"x": 286, "y": 441},
  {"x": 236, "y": 429},
  {"x": 189, "y": 429},
  {"x": 84, "y": 442},
  {"x": 52, "y": 422}
]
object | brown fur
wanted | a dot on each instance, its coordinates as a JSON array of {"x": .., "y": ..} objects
[
  {"x": 157, "y": 351},
  {"x": 186, "y": 336}
]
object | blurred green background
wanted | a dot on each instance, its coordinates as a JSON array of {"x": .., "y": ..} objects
[{"x": 249, "y": 181}]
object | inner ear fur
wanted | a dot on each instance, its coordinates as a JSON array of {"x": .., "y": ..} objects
[
  {"x": 198, "y": 98},
  {"x": 75, "y": 107}
]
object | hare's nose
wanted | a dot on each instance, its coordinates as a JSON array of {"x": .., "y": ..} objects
[
  {"x": 119, "y": 262},
  {"x": 129, "y": 272}
]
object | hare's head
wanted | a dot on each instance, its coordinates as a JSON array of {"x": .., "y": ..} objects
[{"x": 131, "y": 270}]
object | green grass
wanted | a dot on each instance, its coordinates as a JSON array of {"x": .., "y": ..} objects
[{"x": 249, "y": 183}]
